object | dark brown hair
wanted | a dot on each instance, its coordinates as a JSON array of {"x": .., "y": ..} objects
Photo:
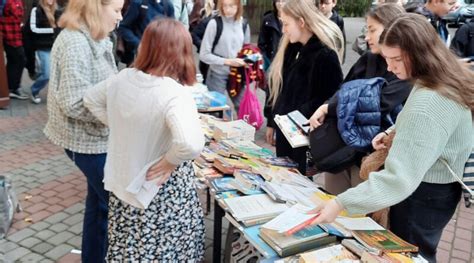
[
  {"x": 427, "y": 59},
  {"x": 166, "y": 50},
  {"x": 240, "y": 10}
]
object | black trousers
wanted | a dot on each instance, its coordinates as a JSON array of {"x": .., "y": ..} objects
[
  {"x": 421, "y": 218},
  {"x": 283, "y": 149},
  {"x": 15, "y": 63}
]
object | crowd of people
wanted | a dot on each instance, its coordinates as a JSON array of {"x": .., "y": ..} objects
[{"x": 142, "y": 124}]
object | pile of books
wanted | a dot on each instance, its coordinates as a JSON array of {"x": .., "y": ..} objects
[{"x": 235, "y": 130}]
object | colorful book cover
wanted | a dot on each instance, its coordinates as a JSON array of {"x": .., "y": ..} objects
[
  {"x": 280, "y": 161},
  {"x": 383, "y": 240},
  {"x": 222, "y": 184}
]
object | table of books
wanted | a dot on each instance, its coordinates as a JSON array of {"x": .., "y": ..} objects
[{"x": 268, "y": 201}]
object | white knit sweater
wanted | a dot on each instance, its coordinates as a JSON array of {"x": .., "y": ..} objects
[{"x": 149, "y": 117}]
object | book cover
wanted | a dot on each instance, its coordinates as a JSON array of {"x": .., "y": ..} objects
[
  {"x": 222, "y": 184},
  {"x": 279, "y": 161},
  {"x": 310, "y": 238},
  {"x": 248, "y": 179},
  {"x": 336, "y": 253},
  {"x": 383, "y": 240},
  {"x": 293, "y": 135}
]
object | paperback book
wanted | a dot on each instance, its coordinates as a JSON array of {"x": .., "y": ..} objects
[{"x": 383, "y": 241}]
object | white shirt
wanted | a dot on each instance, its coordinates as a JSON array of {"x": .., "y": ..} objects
[{"x": 149, "y": 117}]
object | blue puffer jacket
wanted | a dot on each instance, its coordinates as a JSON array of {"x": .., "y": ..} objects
[{"x": 358, "y": 111}]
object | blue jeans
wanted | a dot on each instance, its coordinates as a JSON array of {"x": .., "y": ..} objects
[
  {"x": 421, "y": 218},
  {"x": 43, "y": 72},
  {"x": 94, "y": 232}
]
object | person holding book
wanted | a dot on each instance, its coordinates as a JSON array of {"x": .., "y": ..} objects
[
  {"x": 370, "y": 65},
  {"x": 433, "y": 131},
  {"x": 305, "y": 72},
  {"x": 155, "y": 133}
]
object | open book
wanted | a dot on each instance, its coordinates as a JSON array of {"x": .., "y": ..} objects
[{"x": 290, "y": 130}]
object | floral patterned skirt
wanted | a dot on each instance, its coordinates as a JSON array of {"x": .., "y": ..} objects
[{"x": 171, "y": 229}]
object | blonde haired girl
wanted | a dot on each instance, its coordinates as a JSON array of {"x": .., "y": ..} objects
[
  {"x": 306, "y": 70},
  {"x": 80, "y": 58}
]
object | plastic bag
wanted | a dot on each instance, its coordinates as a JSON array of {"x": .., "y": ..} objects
[
  {"x": 250, "y": 109},
  {"x": 8, "y": 205}
]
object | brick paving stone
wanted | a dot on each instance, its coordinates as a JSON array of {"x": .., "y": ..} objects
[
  {"x": 464, "y": 223},
  {"x": 36, "y": 207},
  {"x": 74, "y": 219},
  {"x": 464, "y": 234},
  {"x": 6, "y": 246},
  {"x": 76, "y": 242},
  {"x": 70, "y": 258},
  {"x": 42, "y": 248},
  {"x": 463, "y": 255},
  {"x": 52, "y": 200},
  {"x": 61, "y": 238},
  {"x": 462, "y": 244},
  {"x": 59, "y": 217},
  {"x": 71, "y": 201},
  {"x": 45, "y": 234},
  {"x": 455, "y": 260},
  {"x": 20, "y": 235},
  {"x": 16, "y": 254},
  {"x": 29, "y": 242},
  {"x": 32, "y": 257},
  {"x": 37, "y": 217},
  {"x": 76, "y": 229},
  {"x": 59, "y": 251},
  {"x": 59, "y": 227},
  {"x": 444, "y": 245},
  {"x": 447, "y": 236},
  {"x": 75, "y": 209},
  {"x": 47, "y": 261},
  {"x": 68, "y": 193},
  {"x": 55, "y": 208}
]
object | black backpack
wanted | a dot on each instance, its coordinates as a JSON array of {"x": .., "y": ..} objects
[
  {"x": 123, "y": 50},
  {"x": 203, "y": 67}
]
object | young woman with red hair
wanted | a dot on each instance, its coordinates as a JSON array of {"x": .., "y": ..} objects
[{"x": 154, "y": 135}]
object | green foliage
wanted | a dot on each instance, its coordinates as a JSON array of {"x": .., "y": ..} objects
[{"x": 353, "y": 8}]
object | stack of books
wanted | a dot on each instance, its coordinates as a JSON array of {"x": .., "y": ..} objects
[
  {"x": 234, "y": 130},
  {"x": 254, "y": 207}
]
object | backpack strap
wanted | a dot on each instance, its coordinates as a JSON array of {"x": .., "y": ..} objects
[{"x": 220, "y": 27}]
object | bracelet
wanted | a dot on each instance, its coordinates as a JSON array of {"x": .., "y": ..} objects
[{"x": 386, "y": 133}]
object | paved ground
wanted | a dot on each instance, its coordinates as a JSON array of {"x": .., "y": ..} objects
[{"x": 51, "y": 191}]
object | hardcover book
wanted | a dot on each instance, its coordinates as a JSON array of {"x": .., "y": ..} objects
[
  {"x": 383, "y": 241},
  {"x": 285, "y": 245}
]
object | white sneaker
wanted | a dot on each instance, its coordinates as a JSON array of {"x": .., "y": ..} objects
[{"x": 35, "y": 99}]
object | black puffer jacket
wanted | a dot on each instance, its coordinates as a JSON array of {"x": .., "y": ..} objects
[
  {"x": 270, "y": 34},
  {"x": 311, "y": 75}
]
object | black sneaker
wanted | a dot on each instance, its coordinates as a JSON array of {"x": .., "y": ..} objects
[{"x": 17, "y": 95}]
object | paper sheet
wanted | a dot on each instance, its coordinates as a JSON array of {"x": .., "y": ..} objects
[
  {"x": 362, "y": 223},
  {"x": 289, "y": 219}
]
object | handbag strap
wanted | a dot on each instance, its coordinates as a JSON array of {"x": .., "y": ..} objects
[{"x": 457, "y": 177}]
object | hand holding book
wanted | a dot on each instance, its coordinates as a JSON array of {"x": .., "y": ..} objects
[{"x": 328, "y": 211}]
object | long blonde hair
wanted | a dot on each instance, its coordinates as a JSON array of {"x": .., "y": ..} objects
[
  {"x": 50, "y": 11},
  {"x": 324, "y": 29},
  {"x": 427, "y": 59},
  {"x": 88, "y": 13}
]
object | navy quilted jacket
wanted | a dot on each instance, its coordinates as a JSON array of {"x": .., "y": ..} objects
[{"x": 358, "y": 111}]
